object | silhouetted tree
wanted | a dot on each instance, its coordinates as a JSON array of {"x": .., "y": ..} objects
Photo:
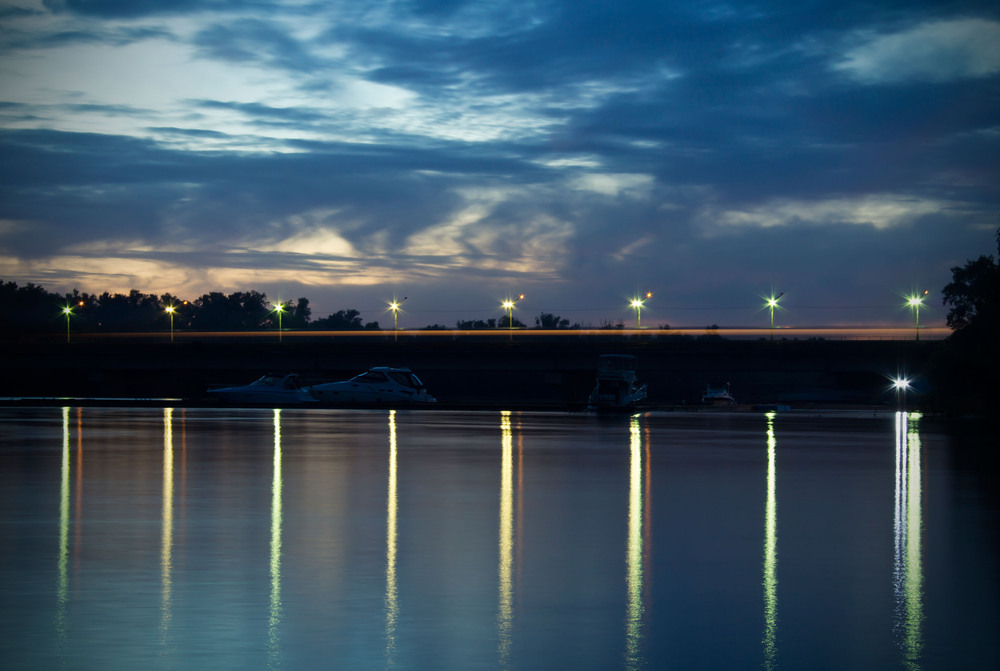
[
  {"x": 28, "y": 309},
  {"x": 965, "y": 370},
  {"x": 134, "y": 311},
  {"x": 301, "y": 313},
  {"x": 238, "y": 311},
  {"x": 551, "y": 321},
  {"x": 476, "y": 324},
  {"x": 505, "y": 322},
  {"x": 343, "y": 320},
  {"x": 974, "y": 292}
]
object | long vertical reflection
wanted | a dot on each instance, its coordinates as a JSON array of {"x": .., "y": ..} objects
[
  {"x": 633, "y": 556},
  {"x": 62, "y": 585},
  {"x": 167, "y": 534},
  {"x": 771, "y": 551},
  {"x": 907, "y": 570},
  {"x": 78, "y": 503},
  {"x": 391, "y": 585},
  {"x": 505, "y": 611},
  {"x": 274, "y": 610}
]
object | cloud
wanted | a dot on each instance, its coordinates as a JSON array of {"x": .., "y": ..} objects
[
  {"x": 880, "y": 211},
  {"x": 937, "y": 51},
  {"x": 614, "y": 184}
]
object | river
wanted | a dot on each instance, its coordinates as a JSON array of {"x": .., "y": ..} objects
[{"x": 248, "y": 539}]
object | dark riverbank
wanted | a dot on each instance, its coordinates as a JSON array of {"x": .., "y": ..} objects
[{"x": 551, "y": 370}]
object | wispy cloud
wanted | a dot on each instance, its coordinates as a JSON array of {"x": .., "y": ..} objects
[{"x": 936, "y": 51}]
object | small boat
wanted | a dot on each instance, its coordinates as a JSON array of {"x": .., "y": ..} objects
[
  {"x": 718, "y": 394},
  {"x": 617, "y": 388},
  {"x": 381, "y": 384},
  {"x": 270, "y": 389}
]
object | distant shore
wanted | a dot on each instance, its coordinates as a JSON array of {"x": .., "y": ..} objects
[{"x": 555, "y": 372}]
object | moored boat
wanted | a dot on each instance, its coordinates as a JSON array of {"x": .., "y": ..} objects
[
  {"x": 617, "y": 387},
  {"x": 269, "y": 389},
  {"x": 718, "y": 394},
  {"x": 382, "y": 384}
]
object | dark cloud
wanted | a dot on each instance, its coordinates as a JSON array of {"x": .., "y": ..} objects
[
  {"x": 265, "y": 113},
  {"x": 249, "y": 41},
  {"x": 137, "y": 8}
]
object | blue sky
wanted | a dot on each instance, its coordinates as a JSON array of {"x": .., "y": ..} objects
[{"x": 461, "y": 152}]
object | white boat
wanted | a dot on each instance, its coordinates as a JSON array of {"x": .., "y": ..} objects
[
  {"x": 718, "y": 395},
  {"x": 617, "y": 387},
  {"x": 381, "y": 384},
  {"x": 270, "y": 389}
]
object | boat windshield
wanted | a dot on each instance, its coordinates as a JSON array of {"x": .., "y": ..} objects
[{"x": 405, "y": 379}]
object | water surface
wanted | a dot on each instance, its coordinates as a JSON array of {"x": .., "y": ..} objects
[{"x": 239, "y": 539}]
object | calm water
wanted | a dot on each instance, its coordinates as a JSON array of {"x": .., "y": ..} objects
[{"x": 252, "y": 539}]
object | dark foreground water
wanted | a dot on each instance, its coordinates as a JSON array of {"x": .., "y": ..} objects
[{"x": 252, "y": 539}]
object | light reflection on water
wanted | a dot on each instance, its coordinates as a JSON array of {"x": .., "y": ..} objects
[
  {"x": 907, "y": 570},
  {"x": 505, "y": 591},
  {"x": 771, "y": 550},
  {"x": 417, "y": 549},
  {"x": 167, "y": 539},
  {"x": 274, "y": 611},
  {"x": 634, "y": 612},
  {"x": 391, "y": 584},
  {"x": 62, "y": 588}
]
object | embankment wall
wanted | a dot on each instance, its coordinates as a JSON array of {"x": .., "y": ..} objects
[{"x": 463, "y": 370}]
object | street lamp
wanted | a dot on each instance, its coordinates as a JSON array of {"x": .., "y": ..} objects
[
  {"x": 170, "y": 311},
  {"x": 637, "y": 304},
  {"x": 395, "y": 307},
  {"x": 280, "y": 309},
  {"x": 916, "y": 302},
  {"x": 772, "y": 303},
  {"x": 68, "y": 311},
  {"x": 508, "y": 305},
  {"x": 901, "y": 385}
]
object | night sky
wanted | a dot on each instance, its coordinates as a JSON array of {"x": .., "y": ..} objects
[{"x": 459, "y": 153}]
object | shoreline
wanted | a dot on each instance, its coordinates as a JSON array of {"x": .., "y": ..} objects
[
  {"x": 550, "y": 373},
  {"x": 573, "y": 409}
]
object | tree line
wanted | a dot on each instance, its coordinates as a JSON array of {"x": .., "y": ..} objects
[{"x": 32, "y": 309}]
